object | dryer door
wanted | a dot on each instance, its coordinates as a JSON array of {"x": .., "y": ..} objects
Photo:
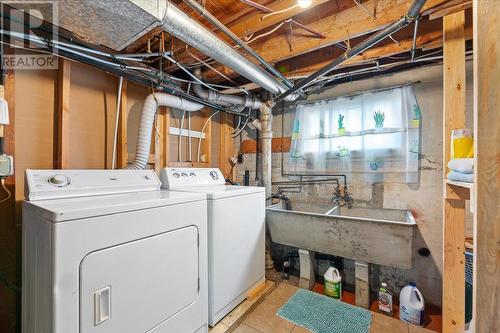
[{"x": 136, "y": 286}]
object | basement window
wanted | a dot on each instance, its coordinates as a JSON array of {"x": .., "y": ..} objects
[{"x": 374, "y": 132}]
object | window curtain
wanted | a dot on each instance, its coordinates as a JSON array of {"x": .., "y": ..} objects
[{"x": 373, "y": 133}]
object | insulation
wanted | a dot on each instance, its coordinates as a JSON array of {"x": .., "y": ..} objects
[{"x": 111, "y": 23}]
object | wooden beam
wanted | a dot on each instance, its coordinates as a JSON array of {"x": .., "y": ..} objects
[
  {"x": 338, "y": 27},
  {"x": 63, "y": 115},
  {"x": 280, "y": 144},
  {"x": 487, "y": 165},
  {"x": 304, "y": 66},
  {"x": 454, "y": 266},
  {"x": 454, "y": 210},
  {"x": 166, "y": 137},
  {"x": 226, "y": 146},
  {"x": 448, "y": 10},
  {"x": 252, "y": 24},
  {"x": 9, "y": 130},
  {"x": 2, "y": 95},
  {"x": 207, "y": 143},
  {"x": 454, "y": 77},
  {"x": 122, "y": 148}
]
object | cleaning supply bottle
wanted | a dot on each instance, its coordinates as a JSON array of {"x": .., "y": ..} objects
[
  {"x": 333, "y": 283},
  {"x": 385, "y": 300},
  {"x": 411, "y": 305}
]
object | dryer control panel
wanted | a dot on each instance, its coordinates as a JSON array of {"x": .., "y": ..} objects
[
  {"x": 57, "y": 184},
  {"x": 189, "y": 177}
]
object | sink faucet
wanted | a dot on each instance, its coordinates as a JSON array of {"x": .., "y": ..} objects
[{"x": 342, "y": 197}]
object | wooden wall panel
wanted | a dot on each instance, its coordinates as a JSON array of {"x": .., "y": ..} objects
[
  {"x": 487, "y": 168},
  {"x": 36, "y": 95},
  {"x": 93, "y": 108}
]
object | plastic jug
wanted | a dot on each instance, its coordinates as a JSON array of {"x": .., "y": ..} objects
[
  {"x": 411, "y": 305},
  {"x": 333, "y": 283}
]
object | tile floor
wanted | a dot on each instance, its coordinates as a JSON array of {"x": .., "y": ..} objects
[{"x": 263, "y": 319}]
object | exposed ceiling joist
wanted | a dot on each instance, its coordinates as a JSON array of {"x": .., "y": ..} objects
[
  {"x": 434, "y": 38},
  {"x": 254, "y": 23},
  {"x": 349, "y": 23}
]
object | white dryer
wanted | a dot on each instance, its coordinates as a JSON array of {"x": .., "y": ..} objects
[
  {"x": 107, "y": 251},
  {"x": 236, "y": 235}
]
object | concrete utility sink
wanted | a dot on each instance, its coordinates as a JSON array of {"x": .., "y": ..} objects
[{"x": 370, "y": 235}]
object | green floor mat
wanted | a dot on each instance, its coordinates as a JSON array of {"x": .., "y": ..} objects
[{"x": 322, "y": 314}]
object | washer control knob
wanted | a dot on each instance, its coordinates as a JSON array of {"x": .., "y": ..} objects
[
  {"x": 59, "y": 180},
  {"x": 192, "y": 175},
  {"x": 214, "y": 175},
  {"x": 176, "y": 175}
]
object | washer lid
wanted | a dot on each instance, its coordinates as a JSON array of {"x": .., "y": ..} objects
[
  {"x": 84, "y": 207},
  {"x": 57, "y": 184},
  {"x": 224, "y": 191}
]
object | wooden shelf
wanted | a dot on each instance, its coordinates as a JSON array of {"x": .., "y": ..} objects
[
  {"x": 370, "y": 131},
  {"x": 469, "y": 186}
]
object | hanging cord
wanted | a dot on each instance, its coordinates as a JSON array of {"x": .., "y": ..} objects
[
  {"x": 6, "y": 191},
  {"x": 242, "y": 127},
  {"x": 201, "y": 134},
  {"x": 117, "y": 119}
]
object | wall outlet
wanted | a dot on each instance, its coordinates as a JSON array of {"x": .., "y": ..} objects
[{"x": 6, "y": 166}]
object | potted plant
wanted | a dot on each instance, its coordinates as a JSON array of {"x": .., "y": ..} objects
[
  {"x": 341, "y": 125},
  {"x": 416, "y": 116},
  {"x": 379, "y": 118},
  {"x": 374, "y": 163}
]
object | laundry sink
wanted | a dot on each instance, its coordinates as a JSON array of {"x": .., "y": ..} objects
[{"x": 372, "y": 235}]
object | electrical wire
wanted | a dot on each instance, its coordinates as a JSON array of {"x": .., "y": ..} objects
[
  {"x": 201, "y": 134},
  {"x": 7, "y": 191},
  {"x": 278, "y": 12}
]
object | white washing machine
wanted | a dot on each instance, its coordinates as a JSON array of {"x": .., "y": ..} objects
[
  {"x": 236, "y": 231},
  {"x": 107, "y": 251}
]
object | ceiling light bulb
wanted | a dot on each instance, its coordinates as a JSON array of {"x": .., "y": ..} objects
[{"x": 304, "y": 3}]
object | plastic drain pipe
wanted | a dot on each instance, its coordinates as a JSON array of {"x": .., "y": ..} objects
[{"x": 151, "y": 104}]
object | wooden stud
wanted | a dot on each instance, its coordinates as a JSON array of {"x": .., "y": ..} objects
[
  {"x": 122, "y": 147},
  {"x": 454, "y": 210},
  {"x": 226, "y": 146},
  {"x": 63, "y": 115},
  {"x": 207, "y": 142},
  {"x": 2, "y": 94},
  {"x": 158, "y": 140},
  {"x": 454, "y": 266},
  {"x": 487, "y": 166},
  {"x": 9, "y": 130},
  {"x": 166, "y": 137}
]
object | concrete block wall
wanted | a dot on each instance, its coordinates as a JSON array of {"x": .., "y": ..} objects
[{"x": 423, "y": 199}]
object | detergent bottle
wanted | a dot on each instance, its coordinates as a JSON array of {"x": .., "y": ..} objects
[
  {"x": 333, "y": 283},
  {"x": 411, "y": 305}
]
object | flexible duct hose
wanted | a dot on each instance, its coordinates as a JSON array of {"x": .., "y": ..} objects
[{"x": 151, "y": 104}]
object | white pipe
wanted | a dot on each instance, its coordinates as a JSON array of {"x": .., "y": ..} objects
[
  {"x": 117, "y": 118},
  {"x": 147, "y": 121}
]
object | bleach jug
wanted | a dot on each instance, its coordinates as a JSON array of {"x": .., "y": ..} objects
[
  {"x": 333, "y": 283},
  {"x": 411, "y": 305}
]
